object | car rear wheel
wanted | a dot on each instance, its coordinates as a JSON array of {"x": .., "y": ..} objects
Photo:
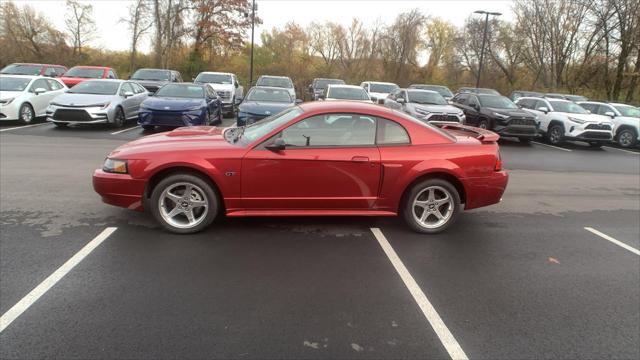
[
  {"x": 184, "y": 203},
  {"x": 26, "y": 113},
  {"x": 555, "y": 134},
  {"x": 119, "y": 120},
  {"x": 626, "y": 138},
  {"x": 483, "y": 124},
  {"x": 431, "y": 206}
]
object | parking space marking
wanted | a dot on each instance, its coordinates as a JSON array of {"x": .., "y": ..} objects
[
  {"x": 125, "y": 130},
  {"x": 441, "y": 330},
  {"x": 617, "y": 242},
  {"x": 551, "y": 146},
  {"x": 33, "y": 296},
  {"x": 623, "y": 150},
  {"x": 23, "y": 127}
]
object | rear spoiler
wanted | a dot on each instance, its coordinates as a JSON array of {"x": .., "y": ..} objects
[{"x": 480, "y": 134}]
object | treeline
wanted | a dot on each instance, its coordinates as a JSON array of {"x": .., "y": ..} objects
[{"x": 590, "y": 47}]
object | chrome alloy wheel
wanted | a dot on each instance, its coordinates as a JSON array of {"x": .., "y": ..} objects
[
  {"x": 183, "y": 205},
  {"x": 433, "y": 207},
  {"x": 625, "y": 139},
  {"x": 26, "y": 114}
]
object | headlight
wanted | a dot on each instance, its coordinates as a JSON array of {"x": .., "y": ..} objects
[
  {"x": 6, "y": 101},
  {"x": 577, "y": 121},
  {"x": 501, "y": 116},
  {"x": 115, "y": 166},
  {"x": 422, "y": 111},
  {"x": 105, "y": 105}
]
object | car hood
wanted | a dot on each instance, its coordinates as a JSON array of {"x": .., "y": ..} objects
[
  {"x": 180, "y": 139},
  {"x": 171, "y": 104},
  {"x": 512, "y": 112},
  {"x": 446, "y": 109},
  {"x": 70, "y": 99},
  {"x": 9, "y": 94},
  {"x": 263, "y": 107}
]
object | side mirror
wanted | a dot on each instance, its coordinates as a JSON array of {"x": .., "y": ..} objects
[
  {"x": 544, "y": 109},
  {"x": 277, "y": 145},
  {"x": 610, "y": 114},
  {"x": 236, "y": 84},
  {"x": 128, "y": 94},
  {"x": 401, "y": 100},
  {"x": 298, "y": 101},
  {"x": 39, "y": 91}
]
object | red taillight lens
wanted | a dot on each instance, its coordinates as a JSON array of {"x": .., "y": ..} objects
[{"x": 498, "y": 166}]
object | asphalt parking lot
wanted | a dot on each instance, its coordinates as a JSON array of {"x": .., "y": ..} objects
[{"x": 521, "y": 279}]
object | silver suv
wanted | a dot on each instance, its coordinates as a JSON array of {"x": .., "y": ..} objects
[{"x": 425, "y": 105}]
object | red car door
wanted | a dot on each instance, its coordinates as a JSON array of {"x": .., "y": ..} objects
[{"x": 330, "y": 162}]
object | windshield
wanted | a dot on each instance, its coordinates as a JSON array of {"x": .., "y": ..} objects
[
  {"x": 347, "y": 93},
  {"x": 214, "y": 78},
  {"x": 275, "y": 82},
  {"x": 322, "y": 84},
  {"x": 96, "y": 88},
  {"x": 424, "y": 97},
  {"x": 85, "y": 73},
  {"x": 497, "y": 102},
  {"x": 567, "y": 107},
  {"x": 382, "y": 88},
  {"x": 486, "y": 91},
  {"x": 442, "y": 90},
  {"x": 181, "y": 91},
  {"x": 18, "y": 69},
  {"x": 627, "y": 110},
  {"x": 151, "y": 74},
  {"x": 576, "y": 98},
  {"x": 264, "y": 126},
  {"x": 13, "y": 83},
  {"x": 269, "y": 95}
]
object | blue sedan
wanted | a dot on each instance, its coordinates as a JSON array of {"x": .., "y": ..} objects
[
  {"x": 182, "y": 104},
  {"x": 263, "y": 101}
]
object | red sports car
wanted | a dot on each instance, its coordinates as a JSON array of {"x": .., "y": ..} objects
[
  {"x": 320, "y": 158},
  {"x": 78, "y": 74}
]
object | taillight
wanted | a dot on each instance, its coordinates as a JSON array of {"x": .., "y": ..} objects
[{"x": 498, "y": 166}]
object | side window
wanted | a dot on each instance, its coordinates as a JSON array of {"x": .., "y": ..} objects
[
  {"x": 473, "y": 101},
  {"x": 60, "y": 70},
  {"x": 111, "y": 75},
  {"x": 126, "y": 87},
  {"x": 602, "y": 109},
  {"x": 390, "y": 132},
  {"x": 50, "y": 71},
  {"x": 54, "y": 85},
  {"x": 541, "y": 103},
  {"x": 590, "y": 107},
  {"x": 137, "y": 88},
  {"x": 461, "y": 99},
  {"x": 332, "y": 130},
  {"x": 526, "y": 103},
  {"x": 39, "y": 84}
]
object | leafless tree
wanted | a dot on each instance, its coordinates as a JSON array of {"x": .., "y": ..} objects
[
  {"x": 80, "y": 24},
  {"x": 139, "y": 22}
]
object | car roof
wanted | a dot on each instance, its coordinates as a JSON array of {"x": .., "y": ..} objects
[
  {"x": 346, "y": 86},
  {"x": 154, "y": 69},
  {"x": 381, "y": 82},
  {"x": 345, "y": 106},
  {"x": 36, "y": 64},
  {"x": 421, "y": 90},
  {"x": 215, "y": 73},
  {"x": 91, "y": 67},
  {"x": 275, "y": 76},
  {"x": 110, "y": 80}
]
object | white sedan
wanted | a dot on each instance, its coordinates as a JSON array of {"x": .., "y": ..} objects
[{"x": 24, "y": 97}]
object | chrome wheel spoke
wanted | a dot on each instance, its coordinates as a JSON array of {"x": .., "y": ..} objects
[
  {"x": 438, "y": 214},
  {"x": 187, "y": 192},
  {"x": 176, "y": 210},
  {"x": 173, "y": 197},
  {"x": 198, "y": 203},
  {"x": 432, "y": 195},
  {"x": 189, "y": 214},
  {"x": 421, "y": 203},
  {"x": 433, "y": 207}
]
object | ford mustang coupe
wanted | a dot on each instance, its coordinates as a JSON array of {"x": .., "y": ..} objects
[{"x": 322, "y": 158}]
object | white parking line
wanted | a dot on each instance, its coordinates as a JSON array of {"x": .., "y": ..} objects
[
  {"x": 623, "y": 150},
  {"x": 551, "y": 146},
  {"x": 23, "y": 127},
  {"x": 441, "y": 330},
  {"x": 33, "y": 296},
  {"x": 617, "y": 242},
  {"x": 121, "y": 131}
]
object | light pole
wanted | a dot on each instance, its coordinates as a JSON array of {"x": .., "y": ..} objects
[
  {"x": 254, "y": 7},
  {"x": 484, "y": 39}
]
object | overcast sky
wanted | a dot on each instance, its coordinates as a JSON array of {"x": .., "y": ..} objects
[{"x": 276, "y": 13}]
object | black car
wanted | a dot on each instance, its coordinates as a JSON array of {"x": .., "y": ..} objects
[
  {"x": 153, "y": 79},
  {"x": 440, "y": 89},
  {"x": 497, "y": 113},
  {"x": 318, "y": 87},
  {"x": 517, "y": 94},
  {"x": 473, "y": 90}
]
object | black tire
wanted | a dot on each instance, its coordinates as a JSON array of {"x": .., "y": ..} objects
[
  {"x": 483, "y": 124},
  {"x": 208, "y": 192},
  {"x": 626, "y": 138},
  {"x": 207, "y": 119},
  {"x": 26, "y": 113},
  {"x": 61, "y": 125},
  {"x": 555, "y": 134},
  {"x": 418, "y": 191},
  {"x": 148, "y": 127},
  {"x": 525, "y": 140},
  {"x": 595, "y": 144},
  {"x": 119, "y": 120},
  {"x": 219, "y": 122}
]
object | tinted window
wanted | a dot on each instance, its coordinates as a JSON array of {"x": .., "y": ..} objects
[
  {"x": 498, "y": 102},
  {"x": 540, "y": 104},
  {"x": 473, "y": 101},
  {"x": 181, "y": 91},
  {"x": 9, "y": 83},
  {"x": 126, "y": 87},
  {"x": 214, "y": 78},
  {"x": 275, "y": 82},
  {"x": 526, "y": 103},
  {"x": 332, "y": 130},
  {"x": 151, "y": 74},
  {"x": 96, "y": 87},
  {"x": 390, "y": 132},
  {"x": 627, "y": 110},
  {"x": 382, "y": 88},
  {"x": 85, "y": 73},
  {"x": 461, "y": 98},
  {"x": 54, "y": 85},
  {"x": 426, "y": 97},
  {"x": 567, "y": 107},
  {"x": 39, "y": 84},
  {"x": 347, "y": 93},
  {"x": 17, "y": 69},
  {"x": 590, "y": 107},
  {"x": 602, "y": 109},
  {"x": 269, "y": 95}
]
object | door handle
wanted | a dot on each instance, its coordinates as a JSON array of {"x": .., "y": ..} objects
[{"x": 360, "y": 159}]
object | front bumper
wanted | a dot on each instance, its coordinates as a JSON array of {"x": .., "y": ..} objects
[
  {"x": 171, "y": 118},
  {"x": 79, "y": 115},
  {"x": 119, "y": 189},
  {"x": 441, "y": 117},
  {"x": 589, "y": 132},
  {"x": 485, "y": 191},
  {"x": 524, "y": 131},
  {"x": 9, "y": 112}
]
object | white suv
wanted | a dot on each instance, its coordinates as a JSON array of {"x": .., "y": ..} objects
[
  {"x": 626, "y": 120},
  {"x": 562, "y": 120},
  {"x": 226, "y": 86},
  {"x": 378, "y": 91}
]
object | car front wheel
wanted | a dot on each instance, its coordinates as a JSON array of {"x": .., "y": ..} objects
[
  {"x": 626, "y": 138},
  {"x": 483, "y": 124},
  {"x": 431, "y": 206},
  {"x": 119, "y": 120},
  {"x": 26, "y": 114},
  {"x": 555, "y": 134},
  {"x": 184, "y": 203}
]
